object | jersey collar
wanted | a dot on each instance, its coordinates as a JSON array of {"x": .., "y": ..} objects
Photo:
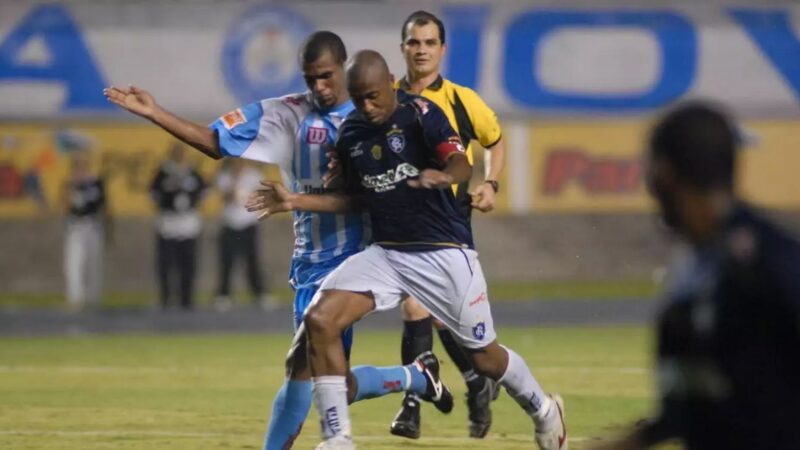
[
  {"x": 435, "y": 86},
  {"x": 342, "y": 110}
]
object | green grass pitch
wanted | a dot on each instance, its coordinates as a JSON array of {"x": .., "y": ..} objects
[{"x": 214, "y": 391}]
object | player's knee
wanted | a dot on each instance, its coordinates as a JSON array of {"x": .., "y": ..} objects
[
  {"x": 413, "y": 310},
  {"x": 319, "y": 323}
]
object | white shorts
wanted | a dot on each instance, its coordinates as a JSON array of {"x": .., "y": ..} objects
[{"x": 448, "y": 282}]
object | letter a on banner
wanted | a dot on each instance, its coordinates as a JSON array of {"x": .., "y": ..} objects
[{"x": 67, "y": 59}]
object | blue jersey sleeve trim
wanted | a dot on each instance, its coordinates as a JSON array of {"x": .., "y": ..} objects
[{"x": 235, "y": 140}]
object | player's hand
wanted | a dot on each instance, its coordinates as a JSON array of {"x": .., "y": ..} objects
[
  {"x": 333, "y": 177},
  {"x": 431, "y": 179},
  {"x": 135, "y": 100},
  {"x": 483, "y": 198},
  {"x": 271, "y": 199}
]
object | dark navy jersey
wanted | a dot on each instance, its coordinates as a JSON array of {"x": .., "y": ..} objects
[
  {"x": 378, "y": 162},
  {"x": 729, "y": 343},
  {"x": 177, "y": 189},
  {"x": 86, "y": 197}
]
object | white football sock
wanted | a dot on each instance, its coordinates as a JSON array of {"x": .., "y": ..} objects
[
  {"x": 523, "y": 387},
  {"x": 330, "y": 396}
]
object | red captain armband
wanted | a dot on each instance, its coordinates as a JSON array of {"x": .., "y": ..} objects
[{"x": 445, "y": 149}]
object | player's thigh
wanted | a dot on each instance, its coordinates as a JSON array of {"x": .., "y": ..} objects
[
  {"x": 450, "y": 284},
  {"x": 413, "y": 310},
  {"x": 334, "y": 310},
  {"x": 369, "y": 271}
]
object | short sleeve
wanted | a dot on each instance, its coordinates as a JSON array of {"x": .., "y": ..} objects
[
  {"x": 344, "y": 145},
  {"x": 256, "y": 131},
  {"x": 484, "y": 120},
  {"x": 439, "y": 134}
]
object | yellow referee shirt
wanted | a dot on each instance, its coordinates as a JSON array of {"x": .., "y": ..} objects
[{"x": 468, "y": 115}]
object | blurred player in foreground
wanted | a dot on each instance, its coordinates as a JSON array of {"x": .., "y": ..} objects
[
  {"x": 400, "y": 157},
  {"x": 295, "y": 132},
  {"x": 423, "y": 46},
  {"x": 729, "y": 333}
]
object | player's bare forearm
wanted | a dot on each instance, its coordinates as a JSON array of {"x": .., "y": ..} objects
[
  {"x": 197, "y": 136},
  {"x": 496, "y": 161},
  {"x": 140, "y": 102},
  {"x": 327, "y": 203},
  {"x": 458, "y": 168}
]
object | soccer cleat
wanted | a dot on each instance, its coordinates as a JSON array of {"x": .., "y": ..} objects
[
  {"x": 556, "y": 437},
  {"x": 437, "y": 393},
  {"x": 406, "y": 422},
  {"x": 337, "y": 443},
  {"x": 480, "y": 414}
]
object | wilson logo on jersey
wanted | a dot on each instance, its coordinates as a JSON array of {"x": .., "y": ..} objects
[
  {"x": 316, "y": 135},
  {"x": 234, "y": 118}
]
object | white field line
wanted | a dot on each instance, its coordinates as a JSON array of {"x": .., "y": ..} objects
[
  {"x": 157, "y": 369},
  {"x": 178, "y": 434}
]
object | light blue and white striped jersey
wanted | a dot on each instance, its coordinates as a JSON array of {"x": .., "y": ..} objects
[{"x": 295, "y": 135}]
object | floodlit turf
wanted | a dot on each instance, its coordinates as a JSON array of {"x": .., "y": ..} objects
[{"x": 213, "y": 391}]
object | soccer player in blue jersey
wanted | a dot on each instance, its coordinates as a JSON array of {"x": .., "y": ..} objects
[
  {"x": 295, "y": 132},
  {"x": 400, "y": 156}
]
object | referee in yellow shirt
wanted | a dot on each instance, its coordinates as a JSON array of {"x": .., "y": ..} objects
[{"x": 423, "y": 46}]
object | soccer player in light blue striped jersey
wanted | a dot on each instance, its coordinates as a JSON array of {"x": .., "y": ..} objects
[{"x": 295, "y": 132}]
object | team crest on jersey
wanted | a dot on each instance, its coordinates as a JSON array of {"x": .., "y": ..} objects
[
  {"x": 233, "y": 118},
  {"x": 396, "y": 140},
  {"x": 479, "y": 331},
  {"x": 376, "y": 151},
  {"x": 316, "y": 135}
]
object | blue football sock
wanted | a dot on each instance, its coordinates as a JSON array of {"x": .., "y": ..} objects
[
  {"x": 378, "y": 381},
  {"x": 289, "y": 411}
]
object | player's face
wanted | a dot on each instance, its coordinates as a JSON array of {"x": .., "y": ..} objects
[
  {"x": 374, "y": 98},
  {"x": 325, "y": 78},
  {"x": 423, "y": 49},
  {"x": 660, "y": 182}
]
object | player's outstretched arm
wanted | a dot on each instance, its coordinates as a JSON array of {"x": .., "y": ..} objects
[
  {"x": 274, "y": 198},
  {"x": 142, "y": 103}
]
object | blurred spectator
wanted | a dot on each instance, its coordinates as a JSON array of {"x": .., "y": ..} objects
[
  {"x": 87, "y": 226},
  {"x": 177, "y": 189},
  {"x": 238, "y": 236}
]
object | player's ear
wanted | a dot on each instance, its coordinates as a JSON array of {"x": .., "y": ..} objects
[{"x": 391, "y": 78}]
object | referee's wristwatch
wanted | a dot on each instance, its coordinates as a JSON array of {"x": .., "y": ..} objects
[{"x": 494, "y": 184}]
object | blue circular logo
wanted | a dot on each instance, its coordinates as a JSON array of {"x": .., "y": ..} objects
[
  {"x": 259, "y": 56},
  {"x": 479, "y": 331}
]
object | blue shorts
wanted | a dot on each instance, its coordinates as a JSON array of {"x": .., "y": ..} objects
[{"x": 306, "y": 278}]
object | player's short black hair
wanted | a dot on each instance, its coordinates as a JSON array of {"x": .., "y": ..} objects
[
  {"x": 320, "y": 42},
  {"x": 422, "y": 18},
  {"x": 700, "y": 141}
]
